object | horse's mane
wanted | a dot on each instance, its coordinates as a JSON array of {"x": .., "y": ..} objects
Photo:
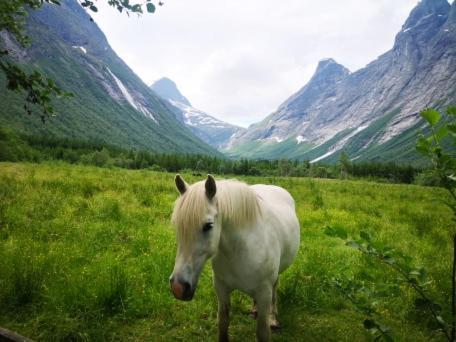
[{"x": 237, "y": 204}]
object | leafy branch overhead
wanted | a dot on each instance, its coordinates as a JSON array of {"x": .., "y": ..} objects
[
  {"x": 40, "y": 90},
  {"x": 123, "y": 6}
]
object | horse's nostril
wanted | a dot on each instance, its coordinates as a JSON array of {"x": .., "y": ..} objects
[
  {"x": 187, "y": 293},
  {"x": 187, "y": 286}
]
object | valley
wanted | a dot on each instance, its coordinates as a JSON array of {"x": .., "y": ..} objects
[{"x": 86, "y": 253}]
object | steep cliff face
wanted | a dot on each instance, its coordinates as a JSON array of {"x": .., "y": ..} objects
[
  {"x": 111, "y": 104},
  {"x": 372, "y": 111},
  {"x": 213, "y": 131}
]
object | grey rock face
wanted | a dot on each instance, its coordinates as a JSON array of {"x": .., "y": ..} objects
[{"x": 418, "y": 72}]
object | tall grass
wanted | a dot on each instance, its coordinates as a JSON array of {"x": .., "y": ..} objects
[{"x": 85, "y": 254}]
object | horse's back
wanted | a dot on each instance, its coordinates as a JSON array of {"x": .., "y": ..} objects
[
  {"x": 274, "y": 194},
  {"x": 279, "y": 215}
]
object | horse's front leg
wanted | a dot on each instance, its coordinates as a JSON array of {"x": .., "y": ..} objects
[
  {"x": 263, "y": 301},
  {"x": 223, "y": 296}
]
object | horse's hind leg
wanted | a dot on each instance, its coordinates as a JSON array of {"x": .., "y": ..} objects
[
  {"x": 264, "y": 302},
  {"x": 274, "y": 323},
  {"x": 254, "y": 312}
]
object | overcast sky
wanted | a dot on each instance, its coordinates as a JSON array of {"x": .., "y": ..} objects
[{"x": 239, "y": 60}]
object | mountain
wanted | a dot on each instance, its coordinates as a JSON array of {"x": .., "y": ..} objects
[
  {"x": 213, "y": 131},
  {"x": 372, "y": 113},
  {"x": 110, "y": 105},
  {"x": 167, "y": 89}
]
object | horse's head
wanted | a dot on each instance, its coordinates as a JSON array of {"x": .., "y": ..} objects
[{"x": 198, "y": 230}]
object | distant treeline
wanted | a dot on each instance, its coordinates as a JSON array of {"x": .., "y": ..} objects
[{"x": 38, "y": 148}]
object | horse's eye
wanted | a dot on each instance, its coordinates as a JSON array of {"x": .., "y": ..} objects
[{"x": 207, "y": 226}]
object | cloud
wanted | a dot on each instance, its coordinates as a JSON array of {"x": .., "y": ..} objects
[{"x": 238, "y": 60}]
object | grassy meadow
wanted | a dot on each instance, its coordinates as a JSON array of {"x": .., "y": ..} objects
[{"x": 86, "y": 252}]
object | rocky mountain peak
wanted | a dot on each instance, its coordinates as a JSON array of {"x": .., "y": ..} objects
[
  {"x": 452, "y": 15},
  {"x": 329, "y": 65},
  {"x": 426, "y": 7},
  {"x": 424, "y": 22},
  {"x": 167, "y": 89},
  {"x": 208, "y": 128},
  {"x": 367, "y": 112},
  {"x": 427, "y": 10},
  {"x": 328, "y": 71}
]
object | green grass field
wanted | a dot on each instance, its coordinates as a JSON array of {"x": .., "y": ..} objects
[{"x": 85, "y": 254}]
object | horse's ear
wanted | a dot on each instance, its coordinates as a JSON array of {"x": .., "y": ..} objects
[
  {"x": 180, "y": 184},
  {"x": 211, "y": 188}
]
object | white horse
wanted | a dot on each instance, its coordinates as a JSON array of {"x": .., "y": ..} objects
[{"x": 250, "y": 232}]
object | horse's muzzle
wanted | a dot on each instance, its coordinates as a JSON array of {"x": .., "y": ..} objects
[{"x": 181, "y": 290}]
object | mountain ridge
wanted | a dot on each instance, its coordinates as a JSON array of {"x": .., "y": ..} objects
[
  {"x": 419, "y": 71},
  {"x": 211, "y": 130},
  {"x": 111, "y": 103}
]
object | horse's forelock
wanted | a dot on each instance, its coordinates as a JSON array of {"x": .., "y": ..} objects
[
  {"x": 189, "y": 211},
  {"x": 237, "y": 204}
]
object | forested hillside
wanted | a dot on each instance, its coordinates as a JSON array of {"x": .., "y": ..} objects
[{"x": 110, "y": 104}]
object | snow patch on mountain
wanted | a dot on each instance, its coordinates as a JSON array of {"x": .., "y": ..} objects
[
  {"x": 82, "y": 48},
  {"x": 277, "y": 139},
  {"x": 300, "y": 139},
  {"x": 130, "y": 99},
  {"x": 419, "y": 22},
  {"x": 340, "y": 144},
  {"x": 196, "y": 117}
]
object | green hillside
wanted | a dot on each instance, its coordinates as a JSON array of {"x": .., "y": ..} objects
[{"x": 70, "y": 48}]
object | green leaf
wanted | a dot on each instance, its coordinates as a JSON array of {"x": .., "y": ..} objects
[
  {"x": 423, "y": 304},
  {"x": 440, "y": 320},
  {"x": 431, "y": 116},
  {"x": 369, "y": 324},
  {"x": 452, "y": 127},
  {"x": 336, "y": 232},
  {"x": 423, "y": 145},
  {"x": 389, "y": 259},
  {"x": 86, "y": 3},
  {"x": 413, "y": 281},
  {"x": 442, "y": 132},
  {"x": 136, "y": 8},
  {"x": 387, "y": 338},
  {"x": 365, "y": 236},
  {"x": 451, "y": 111},
  {"x": 353, "y": 244},
  {"x": 150, "y": 7}
]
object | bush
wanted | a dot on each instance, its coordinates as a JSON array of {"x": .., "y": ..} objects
[
  {"x": 97, "y": 158},
  {"x": 427, "y": 179}
]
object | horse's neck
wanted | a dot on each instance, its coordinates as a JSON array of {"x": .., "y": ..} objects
[{"x": 233, "y": 239}]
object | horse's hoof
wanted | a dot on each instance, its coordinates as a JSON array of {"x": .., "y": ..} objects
[
  {"x": 275, "y": 326},
  {"x": 253, "y": 313}
]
